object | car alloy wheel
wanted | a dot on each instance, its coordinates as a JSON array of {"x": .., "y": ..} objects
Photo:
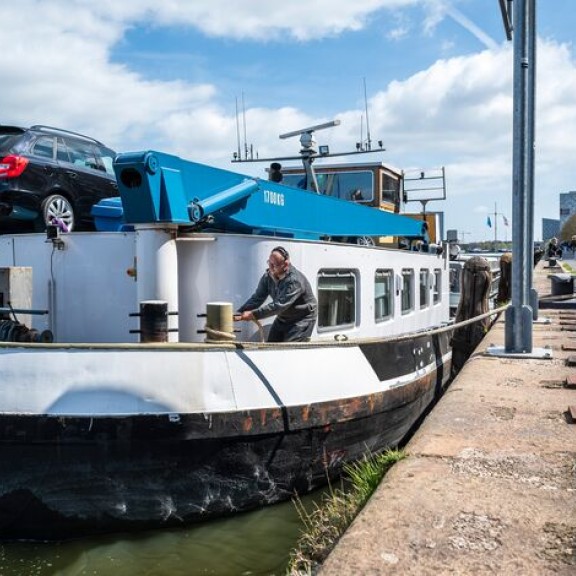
[{"x": 57, "y": 210}]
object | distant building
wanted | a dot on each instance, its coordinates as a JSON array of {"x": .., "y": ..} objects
[{"x": 550, "y": 228}]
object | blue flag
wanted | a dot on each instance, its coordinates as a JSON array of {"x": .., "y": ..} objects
[{"x": 488, "y": 222}]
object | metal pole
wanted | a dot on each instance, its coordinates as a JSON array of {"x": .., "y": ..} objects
[
  {"x": 495, "y": 224},
  {"x": 519, "y": 315},
  {"x": 529, "y": 256}
]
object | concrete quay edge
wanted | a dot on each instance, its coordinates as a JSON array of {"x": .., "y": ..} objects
[{"x": 489, "y": 484}]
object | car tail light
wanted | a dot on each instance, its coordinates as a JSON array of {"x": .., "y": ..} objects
[{"x": 12, "y": 166}]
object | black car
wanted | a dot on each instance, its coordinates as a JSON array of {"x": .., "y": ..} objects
[{"x": 52, "y": 176}]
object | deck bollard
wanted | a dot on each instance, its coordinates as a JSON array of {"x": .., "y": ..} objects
[
  {"x": 219, "y": 322},
  {"x": 153, "y": 321},
  {"x": 475, "y": 286}
]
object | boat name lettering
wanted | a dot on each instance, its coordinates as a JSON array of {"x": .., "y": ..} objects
[{"x": 271, "y": 197}]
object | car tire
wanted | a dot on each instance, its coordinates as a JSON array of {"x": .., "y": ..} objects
[{"x": 59, "y": 208}]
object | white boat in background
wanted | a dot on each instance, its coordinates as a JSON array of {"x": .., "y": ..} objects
[{"x": 105, "y": 432}]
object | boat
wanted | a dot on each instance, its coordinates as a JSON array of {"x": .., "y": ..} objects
[{"x": 123, "y": 408}]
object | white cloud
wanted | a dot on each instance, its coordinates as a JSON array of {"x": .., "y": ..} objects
[{"x": 251, "y": 19}]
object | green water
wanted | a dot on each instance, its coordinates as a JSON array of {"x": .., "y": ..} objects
[{"x": 256, "y": 543}]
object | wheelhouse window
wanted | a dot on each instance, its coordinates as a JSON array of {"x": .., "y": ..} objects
[
  {"x": 383, "y": 295},
  {"x": 437, "y": 286},
  {"x": 390, "y": 189},
  {"x": 407, "y": 293},
  {"x": 336, "y": 299},
  {"x": 355, "y": 185},
  {"x": 424, "y": 288}
]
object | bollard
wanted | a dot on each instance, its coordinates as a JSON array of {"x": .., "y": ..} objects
[
  {"x": 504, "y": 284},
  {"x": 475, "y": 285},
  {"x": 562, "y": 284},
  {"x": 153, "y": 321},
  {"x": 219, "y": 322}
]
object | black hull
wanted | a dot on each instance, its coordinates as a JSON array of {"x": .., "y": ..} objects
[{"x": 69, "y": 477}]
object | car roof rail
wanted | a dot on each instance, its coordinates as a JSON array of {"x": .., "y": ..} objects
[{"x": 42, "y": 127}]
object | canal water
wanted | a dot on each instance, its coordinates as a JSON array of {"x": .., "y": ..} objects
[{"x": 252, "y": 544}]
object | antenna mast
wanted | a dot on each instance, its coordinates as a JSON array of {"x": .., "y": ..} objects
[
  {"x": 244, "y": 121},
  {"x": 368, "y": 140},
  {"x": 239, "y": 149}
]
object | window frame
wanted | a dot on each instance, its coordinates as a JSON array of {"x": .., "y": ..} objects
[
  {"x": 424, "y": 288},
  {"x": 387, "y": 273},
  {"x": 407, "y": 290},
  {"x": 327, "y": 274},
  {"x": 38, "y": 141},
  {"x": 437, "y": 287}
]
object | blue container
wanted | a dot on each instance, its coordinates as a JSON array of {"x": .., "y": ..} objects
[{"x": 109, "y": 215}]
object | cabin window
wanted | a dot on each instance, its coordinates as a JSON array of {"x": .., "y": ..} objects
[
  {"x": 390, "y": 189},
  {"x": 424, "y": 288},
  {"x": 383, "y": 295},
  {"x": 355, "y": 186},
  {"x": 437, "y": 286},
  {"x": 407, "y": 293},
  {"x": 336, "y": 299},
  {"x": 455, "y": 270}
]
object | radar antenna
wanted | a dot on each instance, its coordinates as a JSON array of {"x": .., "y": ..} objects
[{"x": 308, "y": 151}]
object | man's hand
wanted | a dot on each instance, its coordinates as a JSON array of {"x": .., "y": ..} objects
[{"x": 247, "y": 315}]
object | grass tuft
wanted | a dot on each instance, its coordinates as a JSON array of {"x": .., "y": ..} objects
[{"x": 328, "y": 521}]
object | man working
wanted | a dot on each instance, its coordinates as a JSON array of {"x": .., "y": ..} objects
[{"x": 293, "y": 301}]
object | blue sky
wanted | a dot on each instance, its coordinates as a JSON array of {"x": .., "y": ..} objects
[{"x": 142, "y": 74}]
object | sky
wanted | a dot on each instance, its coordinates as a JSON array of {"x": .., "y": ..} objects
[{"x": 435, "y": 77}]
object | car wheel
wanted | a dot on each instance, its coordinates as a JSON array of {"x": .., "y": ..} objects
[
  {"x": 365, "y": 241},
  {"x": 58, "y": 210}
]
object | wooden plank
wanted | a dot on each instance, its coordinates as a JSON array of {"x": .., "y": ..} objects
[
  {"x": 571, "y": 361},
  {"x": 572, "y": 410},
  {"x": 569, "y": 347}
]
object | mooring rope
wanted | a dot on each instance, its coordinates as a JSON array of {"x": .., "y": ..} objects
[
  {"x": 214, "y": 336},
  {"x": 562, "y": 297},
  {"x": 400, "y": 338}
]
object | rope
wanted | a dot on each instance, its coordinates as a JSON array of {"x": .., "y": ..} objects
[
  {"x": 403, "y": 337},
  {"x": 260, "y": 329},
  {"x": 214, "y": 336},
  {"x": 563, "y": 297}
]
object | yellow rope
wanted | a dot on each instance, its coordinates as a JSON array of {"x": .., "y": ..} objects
[{"x": 213, "y": 336}]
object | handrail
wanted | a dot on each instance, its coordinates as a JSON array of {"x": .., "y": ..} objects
[{"x": 180, "y": 346}]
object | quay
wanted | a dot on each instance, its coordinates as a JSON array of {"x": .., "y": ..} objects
[{"x": 489, "y": 483}]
